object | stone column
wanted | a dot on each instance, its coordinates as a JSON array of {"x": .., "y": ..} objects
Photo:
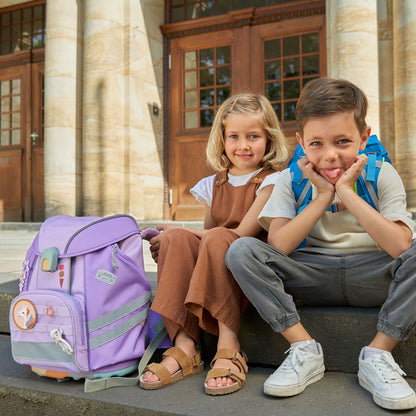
[
  {"x": 122, "y": 138},
  {"x": 103, "y": 109},
  {"x": 62, "y": 124},
  {"x": 385, "y": 41},
  {"x": 352, "y": 49},
  {"x": 404, "y": 47}
]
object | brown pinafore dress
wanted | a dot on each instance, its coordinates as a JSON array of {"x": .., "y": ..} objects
[{"x": 195, "y": 289}]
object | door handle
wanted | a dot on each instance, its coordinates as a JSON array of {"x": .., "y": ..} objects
[{"x": 34, "y": 137}]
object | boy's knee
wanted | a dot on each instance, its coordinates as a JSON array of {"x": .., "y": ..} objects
[{"x": 239, "y": 250}]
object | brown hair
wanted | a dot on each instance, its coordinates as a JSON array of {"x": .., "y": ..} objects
[
  {"x": 326, "y": 96},
  {"x": 276, "y": 150}
]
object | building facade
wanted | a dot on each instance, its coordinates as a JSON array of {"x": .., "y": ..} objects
[{"x": 106, "y": 105}]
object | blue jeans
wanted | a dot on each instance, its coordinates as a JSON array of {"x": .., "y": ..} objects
[{"x": 271, "y": 280}]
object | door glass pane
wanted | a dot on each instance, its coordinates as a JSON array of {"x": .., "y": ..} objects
[
  {"x": 310, "y": 43},
  {"x": 272, "y": 70},
  {"x": 292, "y": 89},
  {"x": 191, "y": 99},
  {"x": 5, "y": 104},
  {"x": 224, "y": 75},
  {"x": 15, "y": 120},
  {"x": 190, "y": 60},
  {"x": 206, "y": 57},
  {"x": 291, "y": 46},
  {"x": 15, "y": 137},
  {"x": 16, "y": 86},
  {"x": 4, "y": 138},
  {"x": 207, "y": 98},
  {"x": 16, "y": 103},
  {"x": 291, "y": 67},
  {"x": 191, "y": 120},
  {"x": 191, "y": 79},
  {"x": 224, "y": 55},
  {"x": 223, "y": 94},
  {"x": 310, "y": 65},
  {"x": 206, "y": 77},
  {"x": 207, "y": 118},
  {"x": 274, "y": 91},
  {"x": 289, "y": 114},
  {"x": 4, "y": 121},
  {"x": 272, "y": 49}
]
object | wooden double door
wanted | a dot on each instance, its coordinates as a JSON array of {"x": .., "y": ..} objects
[
  {"x": 21, "y": 142},
  {"x": 275, "y": 59}
]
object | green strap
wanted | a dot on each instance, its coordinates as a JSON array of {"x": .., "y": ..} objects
[{"x": 92, "y": 385}]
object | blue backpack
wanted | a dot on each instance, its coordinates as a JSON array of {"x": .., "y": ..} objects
[{"x": 365, "y": 186}]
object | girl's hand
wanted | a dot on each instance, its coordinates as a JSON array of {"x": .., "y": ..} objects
[
  {"x": 350, "y": 176},
  {"x": 322, "y": 185}
]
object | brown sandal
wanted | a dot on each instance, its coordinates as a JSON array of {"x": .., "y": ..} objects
[
  {"x": 189, "y": 366},
  {"x": 240, "y": 360}
]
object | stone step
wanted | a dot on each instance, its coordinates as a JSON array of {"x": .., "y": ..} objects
[
  {"x": 342, "y": 332},
  {"x": 24, "y": 393}
]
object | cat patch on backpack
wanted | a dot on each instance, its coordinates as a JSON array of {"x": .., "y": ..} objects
[{"x": 24, "y": 314}]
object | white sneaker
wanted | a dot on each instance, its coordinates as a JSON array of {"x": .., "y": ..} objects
[
  {"x": 301, "y": 368},
  {"x": 382, "y": 376}
]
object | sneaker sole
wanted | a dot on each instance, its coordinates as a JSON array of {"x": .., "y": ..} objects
[
  {"x": 294, "y": 389},
  {"x": 404, "y": 403}
]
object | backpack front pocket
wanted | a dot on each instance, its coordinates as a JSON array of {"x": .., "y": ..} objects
[{"x": 47, "y": 330}]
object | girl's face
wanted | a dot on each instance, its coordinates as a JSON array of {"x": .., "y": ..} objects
[{"x": 245, "y": 142}]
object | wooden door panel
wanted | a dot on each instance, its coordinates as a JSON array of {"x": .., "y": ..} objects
[{"x": 10, "y": 185}]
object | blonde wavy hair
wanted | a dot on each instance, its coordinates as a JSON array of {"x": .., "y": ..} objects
[{"x": 247, "y": 103}]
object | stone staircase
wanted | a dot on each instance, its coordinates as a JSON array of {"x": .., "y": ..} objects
[{"x": 342, "y": 331}]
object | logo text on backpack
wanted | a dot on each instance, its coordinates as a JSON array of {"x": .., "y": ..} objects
[{"x": 106, "y": 277}]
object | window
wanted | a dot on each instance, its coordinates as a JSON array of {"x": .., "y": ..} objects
[
  {"x": 10, "y": 112},
  {"x": 181, "y": 10},
  {"x": 22, "y": 29},
  {"x": 207, "y": 83},
  {"x": 289, "y": 63}
]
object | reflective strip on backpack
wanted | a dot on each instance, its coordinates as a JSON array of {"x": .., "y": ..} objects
[
  {"x": 39, "y": 351},
  {"x": 119, "y": 313},
  {"x": 370, "y": 189},
  {"x": 118, "y": 330}
]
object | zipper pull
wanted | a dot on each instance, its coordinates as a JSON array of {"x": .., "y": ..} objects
[
  {"x": 115, "y": 265},
  {"x": 56, "y": 335}
]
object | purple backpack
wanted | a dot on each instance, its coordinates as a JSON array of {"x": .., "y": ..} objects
[{"x": 84, "y": 300}]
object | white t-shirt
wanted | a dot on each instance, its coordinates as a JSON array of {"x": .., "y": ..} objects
[
  {"x": 203, "y": 190},
  {"x": 340, "y": 232}
]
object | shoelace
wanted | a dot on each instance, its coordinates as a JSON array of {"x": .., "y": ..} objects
[
  {"x": 387, "y": 367},
  {"x": 296, "y": 357}
]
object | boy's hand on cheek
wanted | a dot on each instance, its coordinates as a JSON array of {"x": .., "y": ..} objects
[
  {"x": 350, "y": 176},
  {"x": 322, "y": 185}
]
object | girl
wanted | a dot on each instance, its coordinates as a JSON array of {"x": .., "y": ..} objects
[{"x": 195, "y": 289}]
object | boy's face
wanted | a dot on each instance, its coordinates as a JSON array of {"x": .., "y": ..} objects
[{"x": 332, "y": 143}]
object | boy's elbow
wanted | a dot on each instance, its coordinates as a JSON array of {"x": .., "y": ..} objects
[
  {"x": 278, "y": 245},
  {"x": 399, "y": 249}
]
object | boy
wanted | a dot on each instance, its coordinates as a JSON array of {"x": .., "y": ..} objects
[{"x": 334, "y": 268}]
